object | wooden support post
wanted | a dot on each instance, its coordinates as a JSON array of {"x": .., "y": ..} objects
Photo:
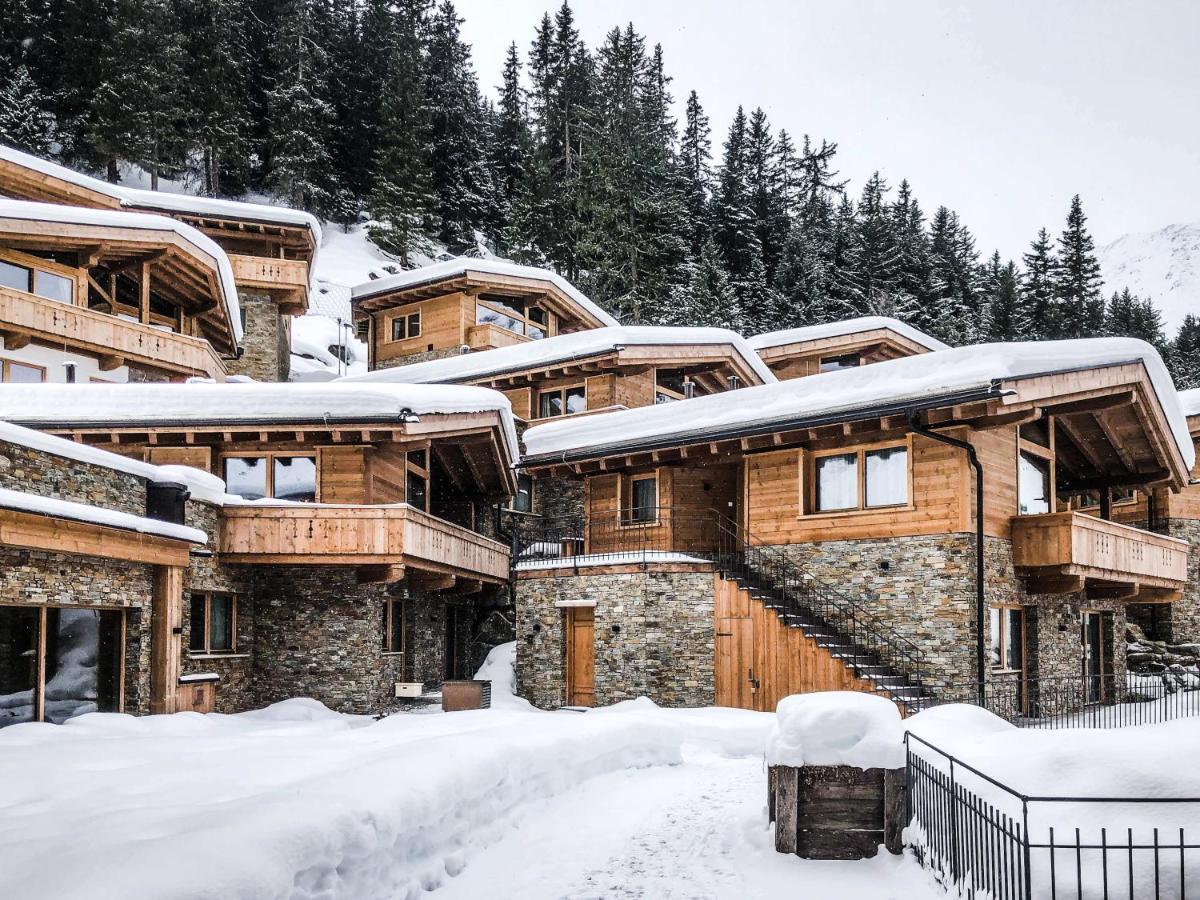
[
  {"x": 895, "y": 785},
  {"x": 787, "y": 808},
  {"x": 144, "y": 306},
  {"x": 166, "y": 641}
]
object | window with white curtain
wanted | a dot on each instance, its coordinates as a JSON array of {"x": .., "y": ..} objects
[
  {"x": 837, "y": 482},
  {"x": 887, "y": 476}
]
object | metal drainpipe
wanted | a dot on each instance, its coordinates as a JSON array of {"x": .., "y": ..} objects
[{"x": 980, "y": 609}]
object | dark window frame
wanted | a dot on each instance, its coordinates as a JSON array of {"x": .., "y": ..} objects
[{"x": 205, "y": 646}]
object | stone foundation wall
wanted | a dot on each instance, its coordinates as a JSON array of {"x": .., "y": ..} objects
[
  {"x": 42, "y": 578},
  {"x": 146, "y": 375},
  {"x": 653, "y": 637},
  {"x": 557, "y": 498},
  {"x": 408, "y": 360},
  {"x": 266, "y": 355},
  {"x": 37, "y": 472},
  {"x": 1185, "y": 612}
]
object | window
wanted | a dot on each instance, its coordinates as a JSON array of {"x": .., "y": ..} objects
[
  {"x": 19, "y": 278},
  {"x": 282, "y": 476},
  {"x": 562, "y": 401},
  {"x": 1033, "y": 484},
  {"x": 405, "y": 327},
  {"x": 1007, "y": 638},
  {"x": 523, "y": 501},
  {"x": 53, "y": 287},
  {"x": 868, "y": 478},
  {"x": 837, "y": 363},
  {"x": 20, "y": 373},
  {"x": 394, "y": 632},
  {"x": 417, "y": 479},
  {"x": 642, "y": 500},
  {"x": 513, "y": 314},
  {"x": 214, "y": 623},
  {"x": 57, "y": 663},
  {"x": 837, "y": 482}
]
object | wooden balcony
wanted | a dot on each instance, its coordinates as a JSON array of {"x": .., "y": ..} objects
[
  {"x": 385, "y": 543},
  {"x": 492, "y": 337},
  {"x": 1070, "y": 551},
  {"x": 115, "y": 341},
  {"x": 286, "y": 278}
]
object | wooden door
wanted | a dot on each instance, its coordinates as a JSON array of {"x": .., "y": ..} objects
[
  {"x": 734, "y": 664},
  {"x": 581, "y": 656}
]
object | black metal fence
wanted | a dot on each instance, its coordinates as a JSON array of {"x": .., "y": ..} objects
[
  {"x": 983, "y": 839},
  {"x": 1079, "y": 701}
]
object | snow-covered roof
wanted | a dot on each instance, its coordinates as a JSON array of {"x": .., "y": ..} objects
[
  {"x": 187, "y": 204},
  {"x": 461, "y": 265},
  {"x": 1190, "y": 401},
  {"x": 26, "y": 210},
  {"x": 894, "y": 383},
  {"x": 259, "y": 403},
  {"x": 97, "y": 515},
  {"x": 842, "y": 328},
  {"x": 563, "y": 348}
]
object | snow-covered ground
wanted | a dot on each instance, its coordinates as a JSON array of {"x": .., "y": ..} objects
[{"x": 298, "y": 801}]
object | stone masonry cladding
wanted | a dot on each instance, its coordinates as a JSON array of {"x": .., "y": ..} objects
[
  {"x": 653, "y": 637},
  {"x": 411, "y": 358},
  {"x": 1184, "y": 614},
  {"x": 265, "y": 356},
  {"x": 37, "y": 472},
  {"x": 41, "y": 578}
]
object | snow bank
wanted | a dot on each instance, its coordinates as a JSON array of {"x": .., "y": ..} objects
[
  {"x": 97, "y": 515},
  {"x": 500, "y": 669},
  {"x": 1190, "y": 401},
  {"x": 730, "y": 732},
  {"x": 107, "y": 218},
  {"x": 462, "y": 265},
  {"x": 567, "y": 347},
  {"x": 314, "y": 339},
  {"x": 844, "y": 327},
  {"x": 895, "y": 382},
  {"x": 837, "y": 728}
]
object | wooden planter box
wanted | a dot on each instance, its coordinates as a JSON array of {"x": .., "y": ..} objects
[
  {"x": 460, "y": 695},
  {"x": 836, "y": 812}
]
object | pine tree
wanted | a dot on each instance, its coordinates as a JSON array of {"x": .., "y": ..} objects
[
  {"x": 1185, "y": 354},
  {"x": 878, "y": 285},
  {"x": 954, "y": 280},
  {"x": 706, "y": 299},
  {"x": 24, "y": 121},
  {"x": 764, "y": 193},
  {"x": 1078, "y": 303},
  {"x": 1004, "y": 318},
  {"x": 913, "y": 264},
  {"x": 139, "y": 107},
  {"x": 511, "y": 148},
  {"x": 695, "y": 156},
  {"x": 1037, "y": 289}
]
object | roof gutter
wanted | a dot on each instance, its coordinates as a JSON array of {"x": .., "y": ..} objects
[{"x": 897, "y": 408}]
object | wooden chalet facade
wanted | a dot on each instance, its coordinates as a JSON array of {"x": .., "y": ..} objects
[
  {"x": 811, "y": 350},
  {"x": 269, "y": 250},
  {"x": 838, "y": 517}
]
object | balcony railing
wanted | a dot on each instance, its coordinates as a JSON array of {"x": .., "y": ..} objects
[
  {"x": 1075, "y": 544},
  {"x": 335, "y": 535},
  {"x": 269, "y": 274},
  {"x": 492, "y": 337},
  {"x": 106, "y": 336}
]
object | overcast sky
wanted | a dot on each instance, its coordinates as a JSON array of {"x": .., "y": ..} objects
[{"x": 1000, "y": 109}]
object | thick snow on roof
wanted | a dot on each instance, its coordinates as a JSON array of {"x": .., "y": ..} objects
[
  {"x": 107, "y": 218},
  {"x": 897, "y": 381},
  {"x": 460, "y": 265},
  {"x": 1190, "y": 401},
  {"x": 181, "y": 203},
  {"x": 838, "y": 329},
  {"x": 97, "y": 515},
  {"x": 564, "y": 347},
  {"x": 81, "y": 405}
]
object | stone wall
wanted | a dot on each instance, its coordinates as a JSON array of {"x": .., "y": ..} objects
[
  {"x": 1185, "y": 612},
  {"x": 37, "y": 472},
  {"x": 653, "y": 637},
  {"x": 411, "y": 358},
  {"x": 42, "y": 578},
  {"x": 266, "y": 355},
  {"x": 557, "y": 498},
  {"x": 145, "y": 375}
]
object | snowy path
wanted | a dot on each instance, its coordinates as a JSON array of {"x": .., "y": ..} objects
[{"x": 671, "y": 832}]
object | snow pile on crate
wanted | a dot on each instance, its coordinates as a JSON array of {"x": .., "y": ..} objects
[
  {"x": 842, "y": 328},
  {"x": 837, "y": 728},
  {"x": 568, "y": 347},
  {"x": 895, "y": 383}
]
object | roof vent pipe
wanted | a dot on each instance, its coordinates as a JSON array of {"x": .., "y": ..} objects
[
  {"x": 734, "y": 382},
  {"x": 69, "y": 367},
  {"x": 464, "y": 349},
  {"x": 689, "y": 389}
]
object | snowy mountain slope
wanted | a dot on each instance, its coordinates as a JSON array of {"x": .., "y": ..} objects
[{"x": 1162, "y": 265}]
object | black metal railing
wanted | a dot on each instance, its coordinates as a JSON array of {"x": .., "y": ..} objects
[
  {"x": 983, "y": 838},
  {"x": 1080, "y": 701},
  {"x": 863, "y": 641}
]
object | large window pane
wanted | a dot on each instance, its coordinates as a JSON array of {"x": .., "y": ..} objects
[
  {"x": 837, "y": 482},
  {"x": 1013, "y": 632},
  {"x": 417, "y": 491},
  {"x": 296, "y": 478},
  {"x": 523, "y": 501},
  {"x": 220, "y": 624},
  {"x": 644, "y": 500},
  {"x": 837, "y": 363},
  {"x": 549, "y": 404},
  {"x": 395, "y": 637},
  {"x": 17, "y": 373},
  {"x": 83, "y": 658},
  {"x": 54, "y": 287},
  {"x": 508, "y": 318},
  {"x": 16, "y": 277},
  {"x": 18, "y": 663},
  {"x": 887, "y": 477},
  {"x": 199, "y": 623},
  {"x": 246, "y": 477},
  {"x": 994, "y": 636},
  {"x": 576, "y": 399},
  {"x": 1033, "y": 485}
]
